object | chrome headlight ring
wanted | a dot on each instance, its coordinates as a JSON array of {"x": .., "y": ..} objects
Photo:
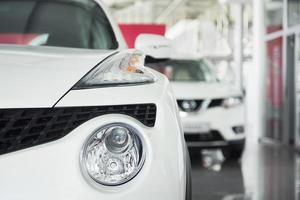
[{"x": 113, "y": 155}]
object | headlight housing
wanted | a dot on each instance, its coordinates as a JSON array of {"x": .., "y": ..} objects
[
  {"x": 113, "y": 155},
  {"x": 232, "y": 102},
  {"x": 123, "y": 68}
]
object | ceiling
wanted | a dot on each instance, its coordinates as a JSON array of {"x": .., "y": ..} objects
[{"x": 163, "y": 10}]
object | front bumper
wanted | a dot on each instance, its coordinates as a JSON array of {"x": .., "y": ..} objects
[
  {"x": 236, "y": 144},
  {"x": 52, "y": 170},
  {"x": 215, "y": 127}
]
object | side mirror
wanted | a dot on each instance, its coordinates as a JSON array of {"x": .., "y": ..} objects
[{"x": 155, "y": 46}]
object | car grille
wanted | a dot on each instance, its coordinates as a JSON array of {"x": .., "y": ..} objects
[
  {"x": 23, "y": 128},
  {"x": 199, "y": 103},
  {"x": 215, "y": 103},
  {"x": 212, "y": 136}
]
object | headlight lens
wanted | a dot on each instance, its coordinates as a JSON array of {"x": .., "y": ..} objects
[
  {"x": 123, "y": 68},
  {"x": 232, "y": 102},
  {"x": 113, "y": 155}
]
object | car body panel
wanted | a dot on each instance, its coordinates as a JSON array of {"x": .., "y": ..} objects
[
  {"x": 43, "y": 77},
  {"x": 219, "y": 119},
  {"x": 52, "y": 170},
  {"x": 40, "y": 76}
]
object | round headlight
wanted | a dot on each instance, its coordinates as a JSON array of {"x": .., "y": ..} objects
[
  {"x": 189, "y": 105},
  {"x": 113, "y": 155},
  {"x": 232, "y": 102}
]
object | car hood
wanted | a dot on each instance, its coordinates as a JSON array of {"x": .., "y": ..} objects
[
  {"x": 40, "y": 76},
  {"x": 216, "y": 90}
]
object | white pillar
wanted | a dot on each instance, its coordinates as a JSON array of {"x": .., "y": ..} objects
[
  {"x": 238, "y": 44},
  {"x": 255, "y": 106},
  {"x": 256, "y": 87}
]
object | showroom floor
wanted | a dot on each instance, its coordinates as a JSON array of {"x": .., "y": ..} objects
[{"x": 265, "y": 173}]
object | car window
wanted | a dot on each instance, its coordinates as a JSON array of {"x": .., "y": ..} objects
[
  {"x": 55, "y": 23},
  {"x": 185, "y": 70}
]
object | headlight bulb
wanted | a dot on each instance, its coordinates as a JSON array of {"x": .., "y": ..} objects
[
  {"x": 117, "y": 140},
  {"x": 232, "y": 102}
]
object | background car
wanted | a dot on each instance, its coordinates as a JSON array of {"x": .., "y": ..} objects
[
  {"x": 73, "y": 124},
  {"x": 211, "y": 111}
]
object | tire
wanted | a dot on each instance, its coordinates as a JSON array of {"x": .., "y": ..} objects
[
  {"x": 194, "y": 154},
  {"x": 234, "y": 152}
]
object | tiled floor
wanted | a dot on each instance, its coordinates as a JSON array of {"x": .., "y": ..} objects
[{"x": 264, "y": 173}]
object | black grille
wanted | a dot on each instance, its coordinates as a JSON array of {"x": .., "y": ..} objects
[
  {"x": 204, "y": 137},
  {"x": 197, "y": 104},
  {"x": 216, "y": 103},
  {"x": 23, "y": 128}
]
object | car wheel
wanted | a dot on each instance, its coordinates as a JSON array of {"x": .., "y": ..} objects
[
  {"x": 194, "y": 154},
  {"x": 233, "y": 152}
]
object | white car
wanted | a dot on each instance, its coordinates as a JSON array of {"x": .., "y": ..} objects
[
  {"x": 212, "y": 112},
  {"x": 80, "y": 116}
]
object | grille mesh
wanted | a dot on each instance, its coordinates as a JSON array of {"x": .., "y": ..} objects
[
  {"x": 198, "y": 104},
  {"x": 215, "y": 103},
  {"x": 23, "y": 128}
]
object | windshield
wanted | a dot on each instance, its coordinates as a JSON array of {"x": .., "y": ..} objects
[
  {"x": 185, "y": 70},
  {"x": 59, "y": 23}
]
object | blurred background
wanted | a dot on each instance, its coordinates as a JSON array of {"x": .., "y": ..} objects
[
  {"x": 254, "y": 45},
  {"x": 213, "y": 29}
]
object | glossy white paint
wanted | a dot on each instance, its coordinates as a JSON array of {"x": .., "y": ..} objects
[
  {"x": 218, "y": 118},
  {"x": 39, "y": 77},
  {"x": 52, "y": 171},
  {"x": 27, "y": 71}
]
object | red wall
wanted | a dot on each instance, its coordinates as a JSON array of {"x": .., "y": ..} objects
[{"x": 131, "y": 31}]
